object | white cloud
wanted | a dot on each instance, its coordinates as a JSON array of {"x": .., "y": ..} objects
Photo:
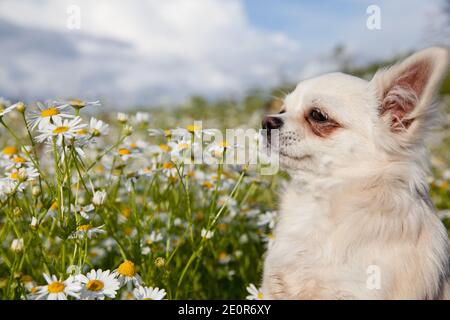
[
  {"x": 134, "y": 52},
  {"x": 150, "y": 51}
]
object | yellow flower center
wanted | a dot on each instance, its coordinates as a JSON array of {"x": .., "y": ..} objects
[
  {"x": 60, "y": 130},
  {"x": 147, "y": 170},
  {"x": 164, "y": 147},
  {"x": 147, "y": 299},
  {"x": 77, "y": 103},
  {"x": 183, "y": 146},
  {"x": 192, "y": 128},
  {"x": 217, "y": 153},
  {"x": 168, "y": 165},
  {"x": 223, "y": 256},
  {"x": 14, "y": 175},
  {"x": 26, "y": 278},
  {"x": 95, "y": 285},
  {"x": 49, "y": 112},
  {"x": 19, "y": 160},
  {"x": 127, "y": 269},
  {"x": 54, "y": 205},
  {"x": 10, "y": 150},
  {"x": 84, "y": 227},
  {"x": 128, "y": 231},
  {"x": 56, "y": 287},
  {"x": 260, "y": 295},
  {"x": 167, "y": 133},
  {"x": 124, "y": 152},
  {"x": 100, "y": 168},
  {"x": 82, "y": 132},
  {"x": 126, "y": 212},
  {"x": 133, "y": 145},
  {"x": 208, "y": 184},
  {"x": 224, "y": 144}
]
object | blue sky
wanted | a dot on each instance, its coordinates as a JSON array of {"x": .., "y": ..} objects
[
  {"x": 142, "y": 52},
  {"x": 305, "y": 21}
]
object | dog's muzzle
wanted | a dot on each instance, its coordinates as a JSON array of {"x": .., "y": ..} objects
[{"x": 270, "y": 123}]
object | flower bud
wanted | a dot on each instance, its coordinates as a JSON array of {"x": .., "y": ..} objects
[
  {"x": 122, "y": 117},
  {"x": 128, "y": 130},
  {"x": 160, "y": 262},
  {"x": 36, "y": 191},
  {"x": 99, "y": 198},
  {"x": 21, "y": 107},
  {"x": 17, "y": 245},
  {"x": 34, "y": 223}
]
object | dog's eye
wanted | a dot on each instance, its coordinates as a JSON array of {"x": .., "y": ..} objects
[
  {"x": 282, "y": 111},
  {"x": 318, "y": 116}
]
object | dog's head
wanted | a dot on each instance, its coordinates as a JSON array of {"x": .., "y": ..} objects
[{"x": 337, "y": 121}]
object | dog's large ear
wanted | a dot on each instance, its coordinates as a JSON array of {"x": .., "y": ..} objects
[{"x": 406, "y": 91}]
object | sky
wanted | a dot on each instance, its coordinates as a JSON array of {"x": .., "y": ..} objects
[{"x": 148, "y": 52}]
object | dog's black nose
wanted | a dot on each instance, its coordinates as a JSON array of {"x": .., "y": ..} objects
[{"x": 270, "y": 123}]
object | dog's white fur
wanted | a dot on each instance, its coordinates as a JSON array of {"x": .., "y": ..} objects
[{"x": 359, "y": 197}]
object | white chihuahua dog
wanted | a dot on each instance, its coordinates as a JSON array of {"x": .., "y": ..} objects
[{"x": 356, "y": 221}]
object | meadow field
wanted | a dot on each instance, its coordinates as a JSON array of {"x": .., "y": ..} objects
[{"x": 102, "y": 205}]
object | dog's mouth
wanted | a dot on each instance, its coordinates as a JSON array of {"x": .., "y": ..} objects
[
  {"x": 283, "y": 153},
  {"x": 271, "y": 147}
]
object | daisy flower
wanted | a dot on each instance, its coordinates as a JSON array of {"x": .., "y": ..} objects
[
  {"x": 230, "y": 203},
  {"x": 79, "y": 104},
  {"x": 53, "y": 209},
  {"x": 268, "y": 218},
  {"x": 127, "y": 295},
  {"x": 127, "y": 153},
  {"x": 149, "y": 293},
  {"x": 269, "y": 239},
  {"x": 17, "y": 245},
  {"x": 58, "y": 289},
  {"x": 159, "y": 133},
  {"x": 217, "y": 149},
  {"x": 224, "y": 258},
  {"x": 61, "y": 129},
  {"x": 87, "y": 230},
  {"x": 148, "y": 171},
  {"x": 17, "y": 162},
  {"x": 28, "y": 282},
  {"x": 98, "y": 127},
  {"x": 98, "y": 285},
  {"x": 23, "y": 174},
  {"x": 46, "y": 114},
  {"x": 169, "y": 169},
  {"x": 8, "y": 187},
  {"x": 141, "y": 118},
  {"x": 84, "y": 211},
  {"x": 99, "y": 198},
  {"x": 127, "y": 275},
  {"x": 153, "y": 237},
  {"x": 254, "y": 293},
  {"x": 4, "y": 103},
  {"x": 5, "y": 109},
  {"x": 207, "y": 234},
  {"x": 122, "y": 117},
  {"x": 9, "y": 151},
  {"x": 34, "y": 223}
]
